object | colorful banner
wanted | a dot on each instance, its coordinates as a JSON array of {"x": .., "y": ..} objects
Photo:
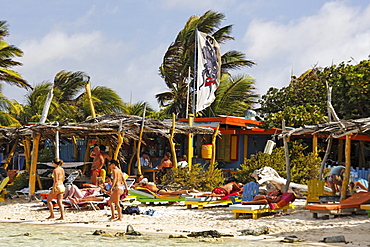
[{"x": 208, "y": 70}]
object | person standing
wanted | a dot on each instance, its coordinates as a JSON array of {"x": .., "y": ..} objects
[
  {"x": 57, "y": 189},
  {"x": 119, "y": 187},
  {"x": 335, "y": 178},
  {"x": 107, "y": 158},
  {"x": 97, "y": 165}
]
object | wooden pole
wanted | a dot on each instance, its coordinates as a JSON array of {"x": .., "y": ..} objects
[
  {"x": 33, "y": 169},
  {"x": 88, "y": 93},
  {"x": 330, "y": 140},
  {"x": 27, "y": 151},
  {"x": 340, "y": 150},
  {"x": 139, "y": 143},
  {"x": 287, "y": 160},
  {"x": 172, "y": 143},
  {"x": 87, "y": 155},
  {"x": 119, "y": 145},
  {"x": 214, "y": 137},
  {"x": 190, "y": 143},
  {"x": 11, "y": 154},
  {"x": 327, "y": 152},
  {"x": 75, "y": 148},
  {"x": 314, "y": 144},
  {"x": 131, "y": 159},
  {"x": 47, "y": 103},
  {"x": 348, "y": 168}
]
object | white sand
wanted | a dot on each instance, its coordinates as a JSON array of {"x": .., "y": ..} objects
[{"x": 176, "y": 219}]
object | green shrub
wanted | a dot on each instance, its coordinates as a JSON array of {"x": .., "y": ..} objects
[
  {"x": 20, "y": 182},
  {"x": 198, "y": 178},
  {"x": 302, "y": 167}
]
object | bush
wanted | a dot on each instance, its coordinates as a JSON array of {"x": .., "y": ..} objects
[
  {"x": 302, "y": 167},
  {"x": 20, "y": 182},
  {"x": 198, "y": 178}
]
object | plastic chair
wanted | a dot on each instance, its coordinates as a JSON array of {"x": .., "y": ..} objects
[{"x": 315, "y": 189}]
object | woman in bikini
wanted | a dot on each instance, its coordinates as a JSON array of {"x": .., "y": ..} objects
[
  {"x": 119, "y": 187},
  {"x": 57, "y": 189},
  {"x": 272, "y": 197}
]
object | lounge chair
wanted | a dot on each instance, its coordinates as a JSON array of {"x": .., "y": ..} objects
[
  {"x": 283, "y": 205},
  {"x": 250, "y": 190},
  {"x": 201, "y": 201},
  {"x": 3, "y": 191},
  {"x": 144, "y": 195},
  {"x": 350, "y": 205},
  {"x": 367, "y": 208}
]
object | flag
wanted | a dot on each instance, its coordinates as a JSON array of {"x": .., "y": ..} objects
[{"x": 208, "y": 70}]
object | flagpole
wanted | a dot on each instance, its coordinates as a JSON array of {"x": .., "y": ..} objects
[
  {"x": 187, "y": 96},
  {"x": 191, "y": 116},
  {"x": 195, "y": 70}
]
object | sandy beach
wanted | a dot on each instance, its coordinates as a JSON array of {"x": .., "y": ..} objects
[{"x": 177, "y": 220}]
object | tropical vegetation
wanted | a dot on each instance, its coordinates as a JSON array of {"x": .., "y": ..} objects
[
  {"x": 304, "y": 166},
  {"x": 178, "y": 61},
  {"x": 304, "y": 100},
  {"x": 7, "y": 53}
]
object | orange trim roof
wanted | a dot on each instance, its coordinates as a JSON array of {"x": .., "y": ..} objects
[{"x": 236, "y": 121}]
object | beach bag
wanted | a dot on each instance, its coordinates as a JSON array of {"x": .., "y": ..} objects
[{"x": 131, "y": 210}]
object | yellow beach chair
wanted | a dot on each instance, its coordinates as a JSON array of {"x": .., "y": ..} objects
[
  {"x": 255, "y": 210},
  {"x": 3, "y": 191},
  {"x": 367, "y": 208},
  {"x": 315, "y": 189}
]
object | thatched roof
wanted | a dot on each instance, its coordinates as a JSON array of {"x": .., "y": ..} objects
[
  {"x": 334, "y": 129},
  {"x": 110, "y": 124}
]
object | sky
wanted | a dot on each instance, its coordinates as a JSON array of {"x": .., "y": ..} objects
[{"x": 120, "y": 44}]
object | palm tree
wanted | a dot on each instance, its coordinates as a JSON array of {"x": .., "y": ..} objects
[
  {"x": 70, "y": 99},
  {"x": 9, "y": 110},
  {"x": 180, "y": 57},
  {"x": 233, "y": 97},
  {"x": 105, "y": 101},
  {"x": 7, "y": 52}
]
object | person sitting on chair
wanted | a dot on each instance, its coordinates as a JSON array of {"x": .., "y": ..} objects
[
  {"x": 272, "y": 197},
  {"x": 164, "y": 167},
  {"x": 144, "y": 183}
]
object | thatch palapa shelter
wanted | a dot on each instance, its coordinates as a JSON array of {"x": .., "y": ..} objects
[
  {"x": 115, "y": 128},
  {"x": 350, "y": 129}
]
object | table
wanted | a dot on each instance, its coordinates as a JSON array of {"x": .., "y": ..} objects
[{"x": 151, "y": 172}]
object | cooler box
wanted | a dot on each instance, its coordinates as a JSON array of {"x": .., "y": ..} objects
[{"x": 207, "y": 151}]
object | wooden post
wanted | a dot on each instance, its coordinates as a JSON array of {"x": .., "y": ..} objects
[
  {"x": 27, "y": 151},
  {"x": 11, "y": 154},
  {"x": 340, "y": 150},
  {"x": 33, "y": 169},
  {"x": 172, "y": 144},
  {"x": 87, "y": 156},
  {"x": 287, "y": 160},
  {"x": 348, "y": 168},
  {"x": 190, "y": 143},
  {"x": 75, "y": 148},
  {"x": 327, "y": 152},
  {"x": 119, "y": 145},
  {"x": 314, "y": 144},
  {"x": 139, "y": 143},
  {"x": 131, "y": 159},
  {"x": 88, "y": 93},
  {"x": 214, "y": 137}
]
